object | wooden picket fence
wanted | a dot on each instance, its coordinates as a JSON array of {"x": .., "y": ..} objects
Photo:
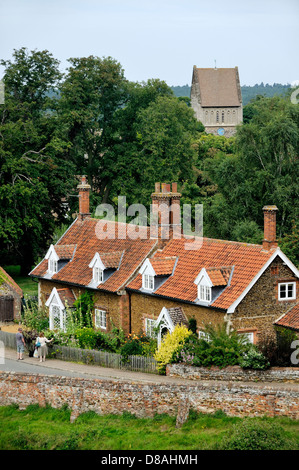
[
  {"x": 92, "y": 356},
  {"x": 106, "y": 359}
]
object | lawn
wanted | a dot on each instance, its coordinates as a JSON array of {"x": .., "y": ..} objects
[
  {"x": 50, "y": 429},
  {"x": 28, "y": 286}
]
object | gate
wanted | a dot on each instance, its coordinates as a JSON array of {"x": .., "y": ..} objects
[{"x": 6, "y": 308}]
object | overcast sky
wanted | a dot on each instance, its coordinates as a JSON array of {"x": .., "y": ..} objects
[{"x": 161, "y": 38}]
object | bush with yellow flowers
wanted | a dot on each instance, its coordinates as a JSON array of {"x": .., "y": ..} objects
[{"x": 169, "y": 345}]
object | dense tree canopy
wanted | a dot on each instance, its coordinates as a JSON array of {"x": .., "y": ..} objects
[{"x": 34, "y": 176}]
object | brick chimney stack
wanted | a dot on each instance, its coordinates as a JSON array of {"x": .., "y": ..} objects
[
  {"x": 166, "y": 206},
  {"x": 83, "y": 189},
  {"x": 269, "y": 241}
]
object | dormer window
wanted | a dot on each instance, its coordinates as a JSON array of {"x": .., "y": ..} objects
[
  {"x": 155, "y": 271},
  {"x": 103, "y": 265},
  {"x": 58, "y": 256},
  {"x": 98, "y": 268},
  {"x": 211, "y": 282}
]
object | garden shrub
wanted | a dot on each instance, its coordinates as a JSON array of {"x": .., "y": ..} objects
[
  {"x": 218, "y": 349},
  {"x": 33, "y": 317},
  {"x": 170, "y": 344},
  {"x": 137, "y": 345},
  {"x": 257, "y": 434},
  {"x": 86, "y": 338},
  {"x": 254, "y": 359},
  {"x": 278, "y": 351}
]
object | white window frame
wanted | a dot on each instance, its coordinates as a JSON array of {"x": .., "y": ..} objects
[
  {"x": 98, "y": 275},
  {"x": 204, "y": 293},
  {"x": 148, "y": 282},
  {"x": 204, "y": 335},
  {"x": 52, "y": 266},
  {"x": 249, "y": 335},
  {"x": 61, "y": 316},
  {"x": 286, "y": 285},
  {"x": 100, "y": 319},
  {"x": 150, "y": 324}
]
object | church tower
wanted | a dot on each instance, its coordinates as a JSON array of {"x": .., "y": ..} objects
[{"x": 217, "y": 100}]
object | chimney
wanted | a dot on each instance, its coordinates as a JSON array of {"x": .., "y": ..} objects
[
  {"x": 269, "y": 241},
  {"x": 83, "y": 189},
  {"x": 166, "y": 208}
]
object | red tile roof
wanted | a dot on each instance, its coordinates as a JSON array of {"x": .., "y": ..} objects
[
  {"x": 246, "y": 261},
  {"x": 290, "y": 319},
  {"x": 219, "y": 276},
  {"x": 89, "y": 235},
  {"x": 65, "y": 252},
  {"x": 111, "y": 260},
  {"x": 66, "y": 297},
  {"x": 163, "y": 266}
]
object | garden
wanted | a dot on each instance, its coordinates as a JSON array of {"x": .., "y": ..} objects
[{"x": 215, "y": 347}]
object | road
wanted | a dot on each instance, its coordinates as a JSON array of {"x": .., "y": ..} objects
[{"x": 12, "y": 365}]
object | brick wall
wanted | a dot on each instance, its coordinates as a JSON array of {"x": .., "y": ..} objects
[{"x": 107, "y": 396}]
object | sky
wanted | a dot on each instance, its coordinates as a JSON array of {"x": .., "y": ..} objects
[{"x": 161, "y": 39}]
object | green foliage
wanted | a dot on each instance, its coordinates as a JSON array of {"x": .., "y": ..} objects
[
  {"x": 254, "y": 359},
  {"x": 193, "y": 325},
  {"x": 138, "y": 345},
  {"x": 33, "y": 317},
  {"x": 83, "y": 305},
  {"x": 257, "y": 434},
  {"x": 34, "y": 174},
  {"x": 86, "y": 338},
  {"x": 262, "y": 169},
  {"x": 218, "y": 348},
  {"x": 46, "y": 428}
]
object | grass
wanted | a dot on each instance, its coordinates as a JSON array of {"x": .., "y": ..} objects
[
  {"x": 50, "y": 429},
  {"x": 28, "y": 286}
]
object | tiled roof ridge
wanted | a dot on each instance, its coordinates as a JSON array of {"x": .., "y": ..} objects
[{"x": 184, "y": 236}]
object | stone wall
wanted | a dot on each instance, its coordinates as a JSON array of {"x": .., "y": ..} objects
[
  {"x": 234, "y": 373},
  {"x": 108, "y": 396}
]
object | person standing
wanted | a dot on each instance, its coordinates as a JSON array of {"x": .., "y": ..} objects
[
  {"x": 42, "y": 341},
  {"x": 20, "y": 344}
]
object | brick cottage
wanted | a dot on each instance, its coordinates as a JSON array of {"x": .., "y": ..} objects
[{"x": 142, "y": 282}]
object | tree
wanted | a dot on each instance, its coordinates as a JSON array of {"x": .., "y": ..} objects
[
  {"x": 159, "y": 148},
  {"x": 34, "y": 176},
  {"x": 93, "y": 90}
]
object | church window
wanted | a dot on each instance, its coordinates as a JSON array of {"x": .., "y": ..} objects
[{"x": 222, "y": 116}]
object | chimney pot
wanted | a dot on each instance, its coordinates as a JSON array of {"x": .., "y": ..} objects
[
  {"x": 174, "y": 187},
  {"x": 157, "y": 188}
]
